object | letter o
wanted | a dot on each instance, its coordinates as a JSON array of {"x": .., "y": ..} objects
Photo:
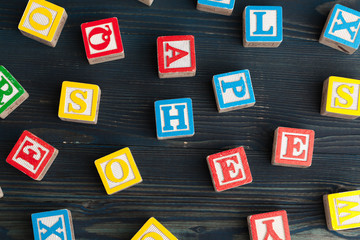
[
  {"x": 110, "y": 174},
  {"x": 42, "y": 11}
]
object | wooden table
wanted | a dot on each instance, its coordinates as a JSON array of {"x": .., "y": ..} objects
[{"x": 177, "y": 187}]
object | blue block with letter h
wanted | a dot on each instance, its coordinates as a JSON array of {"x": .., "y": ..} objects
[{"x": 223, "y": 7}]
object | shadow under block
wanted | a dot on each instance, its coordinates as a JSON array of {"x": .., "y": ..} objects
[
  {"x": 233, "y": 91},
  {"x": 79, "y": 102},
  {"x": 176, "y": 56},
  {"x": 32, "y": 156},
  {"x": 118, "y": 171},
  {"x": 53, "y": 225},
  {"x": 293, "y": 147},
  {"x": 12, "y": 94},
  {"x": 43, "y": 22},
  {"x": 342, "y": 210},
  {"x": 223, "y": 7},
  {"x": 341, "y": 98},
  {"x": 102, "y": 40},
  {"x": 147, "y": 2},
  {"x": 262, "y": 26},
  {"x": 229, "y": 169},
  {"x": 341, "y": 30},
  {"x": 152, "y": 229}
]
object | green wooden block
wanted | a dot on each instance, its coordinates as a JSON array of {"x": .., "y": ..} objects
[{"x": 12, "y": 94}]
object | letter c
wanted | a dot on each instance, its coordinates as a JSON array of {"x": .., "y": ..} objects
[
  {"x": 43, "y": 11},
  {"x": 109, "y": 173}
]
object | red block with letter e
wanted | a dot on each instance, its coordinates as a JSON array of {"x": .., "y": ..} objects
[
  {"x": 229, "y": 169},
  {"x": 293, "y": 147},
  {"x": 32, "y": 156},
  {"x": 176, "y": 56},
  {"x": 269, "y": 226}
]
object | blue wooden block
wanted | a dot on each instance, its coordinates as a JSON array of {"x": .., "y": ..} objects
[
  {"x": 341, "y": 29},
  {"x": 233, "y": 90},
  {"x": 262, "y": 26},
  {"x": 174, "y": 118},
  {"x": 53, "y": 225},
  {"x": 223, "y": 7}
]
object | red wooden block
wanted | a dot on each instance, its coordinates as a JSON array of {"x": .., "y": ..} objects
[
  {"x": 271, "y": 225},
  {"x": 32, "y": 156},
  {"x": 293, "y": 147},
  {"x": 102, "y": 40},
  {"x": 176, "y": 56},
  {"x": 229, "y": 169}
]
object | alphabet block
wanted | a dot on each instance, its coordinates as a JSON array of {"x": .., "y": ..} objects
[
  {"x": 341, "y": 29},
  {"x": 262, "y": 26},
  {"x": 174, "y": 118},
  {"x": 1, "y": 193},
  {"x": 102, "y": 40},
  {"x": 147, "y": 2},
  {"x": 53, "y": 225},
  {"x": 118, "y": 171},
  {"x": 43, "y": 22},
  {"x": 176, "y": 56},
  {"x": 79, "y": 102},
  {"x": 152, "y": 229},
  {"x": 342, "y": 210},
  {"x": 341, "y": 98},
  {"x": 12, "y": 94},
  {"x": 293, "y": 147},
  {"x": 233, "y": 91},
  {"x": 32, "y": 156},
  {"x": 271, "y": 225},
  {"x": 229, "y": 169},
  {"x": 223, "y": 7}
]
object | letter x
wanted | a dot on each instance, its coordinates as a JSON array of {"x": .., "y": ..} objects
[
  {"x": 52, "y": 230},
  {"x": 346, "y": 25}
]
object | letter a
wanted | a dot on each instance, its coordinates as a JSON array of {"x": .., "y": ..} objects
[
  {"x": 176, "y": 54},
  {"x": 270, "y": 232},
  {"x": 347, "y": 210}
]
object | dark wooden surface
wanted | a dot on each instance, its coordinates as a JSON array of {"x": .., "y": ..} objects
[{"x": 177, "y": 187}]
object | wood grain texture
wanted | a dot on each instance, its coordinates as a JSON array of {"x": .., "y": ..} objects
[{"x": 177, "y": 188}]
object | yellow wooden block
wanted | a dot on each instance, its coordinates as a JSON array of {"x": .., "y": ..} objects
[
  {"x": 341, "y": 98},
  {"x": 152, "y": 229},
  {"x": 79, "y": 102},
  {"x": 118, "y": 171},
  {"x": 43, "y": 21},
  {"x": 342, "y": 210}
]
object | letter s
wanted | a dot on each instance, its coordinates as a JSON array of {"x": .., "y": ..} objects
[
  {"x": 78, "y": 101},
  {"x": 344, "y": 95}
]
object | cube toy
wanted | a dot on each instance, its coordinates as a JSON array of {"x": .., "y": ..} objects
[
  {"x": 79, "y": 102},
  {"x": 233, "y": 91},
  {"x": 262, "y": 26},
  {"x": 341, "y": 29},
  {"x": 147, "y": 2},
  {"x": 229, "y": 169},
  {"x": 102, "y": 40},
  {"x": 32, "y": 156},
  {"x": 293, "y": 147},
  {"x": 118, "y": 171},
  {"x": 1, "y": 193},
  {"x": 341, "y": 98},
  {"x": 271, "y": 225},
  {"x": 176, "y": 56},
  {"x": 342, "y": 210},
  {"x": 12, "y": 94},
  {"x": 223, "y": 7},
  {"x": 152, "y": 229},
  {"x": 53, "y": 225},
  {"x": 174, "y": 118},
  {"x": 43, "y": 22}
]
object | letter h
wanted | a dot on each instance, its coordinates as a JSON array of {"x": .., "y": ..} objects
[{"x": 180, "y": 117}]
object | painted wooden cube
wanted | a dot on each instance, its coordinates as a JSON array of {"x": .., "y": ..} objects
[
  {"x": 53, "y": 225},
  {"x": 43, "y": 22},
  {"x": 147, "y": 2},
  {"x": 262, "y": 26},
  {"x": 341, "y": 98},
  {"x": 12, "y": 94},
  {"x": 102, "y": 40},
  {"x": 1, "y": 193},
  {"x": 152, "y": 229},
  {"x": 233, "y": 91},
  {"x": 118, "y": 171},
  {"x": 342, "y": 210},
  {"x": 229, "y": 169},
  {"x": 293, "y": 147},
  {"x": 223, "y": 7},
  {"x": 174, "y": 118},
  {"x": 176, "y": 56},
  {"x": 341, "y": 30},
  {"x": 32, "y": 156},
  {"x": 271, "y": 225},
  {"x": 79, "y": 102}
]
